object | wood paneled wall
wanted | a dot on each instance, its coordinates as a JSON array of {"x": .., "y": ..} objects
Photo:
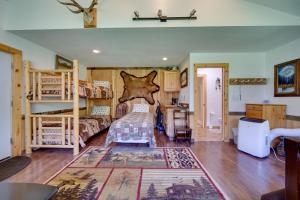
[{"x": 113, "y": 75}]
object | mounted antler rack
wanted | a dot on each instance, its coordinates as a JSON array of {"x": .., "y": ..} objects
[
  {"x": 163, "y": 18},
  {"x": 248, "y": 81},
  {"x": 89, "y": 14}
]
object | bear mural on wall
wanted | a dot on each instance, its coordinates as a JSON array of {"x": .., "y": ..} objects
[{"x": 139, "y": 87}]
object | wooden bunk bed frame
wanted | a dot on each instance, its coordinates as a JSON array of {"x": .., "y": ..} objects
[{"x": 66, "y": 131}]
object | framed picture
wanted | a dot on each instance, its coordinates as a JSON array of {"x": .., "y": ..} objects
[
  {"x": 63, "y": 63},
  {"x": 184, "y": 78},
  {"x": 287, "y": 79}
]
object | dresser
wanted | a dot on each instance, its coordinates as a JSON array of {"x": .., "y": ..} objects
[
  {"x": 274, "y": 113},
  {"x": 171, "y": 81}
]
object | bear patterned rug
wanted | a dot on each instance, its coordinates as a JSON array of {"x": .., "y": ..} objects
[{"x": 124, "y": 173}]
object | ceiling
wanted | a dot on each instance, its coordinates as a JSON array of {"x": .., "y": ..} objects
[
  {"x": 147, "y": 46},
  {"x": 288, "y": 6}
]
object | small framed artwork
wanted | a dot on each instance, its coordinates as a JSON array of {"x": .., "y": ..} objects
[
  {"x": 63, "y": 63},
  {"x": 287, "y": 79},
  {"x": 184, "y": 78}
]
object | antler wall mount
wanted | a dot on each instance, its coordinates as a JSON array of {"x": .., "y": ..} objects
[
  {"x": 89, "y": 14},
  {"x": 163, "y": 18}
]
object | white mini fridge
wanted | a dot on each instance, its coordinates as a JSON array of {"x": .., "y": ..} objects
[{"x": 253, "y": 136}]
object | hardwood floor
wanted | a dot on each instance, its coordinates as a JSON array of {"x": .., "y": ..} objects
[{"x": 240, "y": 176}]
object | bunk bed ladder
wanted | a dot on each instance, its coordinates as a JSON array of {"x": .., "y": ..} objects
[{"x": 56, "y": 130}]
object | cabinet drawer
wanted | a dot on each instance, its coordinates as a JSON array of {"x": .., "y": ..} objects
[
  {"x": 254, "y": 107},
  {"x": 254, "y": 114}
]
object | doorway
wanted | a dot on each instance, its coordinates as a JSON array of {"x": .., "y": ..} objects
[
  {"x": 211, "y": 102},
  {"x": 14, "y": 101},
  {"x": 5, "y": 105}
]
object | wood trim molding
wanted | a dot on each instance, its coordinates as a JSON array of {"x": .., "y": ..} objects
[
  {"x": 127, "y": 68},
  {"x": 288, "y": 117},
  {"x": 225, "y": 67},
  {"x": 237, "y": 113},
  {"x": 293, "y": 118},
  {"x": 17, "y": 136},
  {"x": 9, "y": 49}
]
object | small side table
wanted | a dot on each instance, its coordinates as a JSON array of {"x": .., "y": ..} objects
[{"x": 26, "y": 191}]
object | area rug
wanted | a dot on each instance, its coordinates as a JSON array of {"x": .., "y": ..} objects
[
  {"x": 131, "y": 173},
  {"x": 12, "y": 166}
]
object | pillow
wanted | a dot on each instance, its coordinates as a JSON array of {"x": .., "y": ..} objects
[
  {"x": 140, "y": 108},
  {"x": 105, "y": 84},
  {"x": 100, "y": 110}
]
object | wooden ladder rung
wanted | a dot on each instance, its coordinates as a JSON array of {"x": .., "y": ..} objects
[
  {"x": 50, "y": 83},
  {"x": 51, "y": 134},
  {"x": 54, "y": 76},
  {"x": 51, "y": 140},
  {"x": 51, "y": 95},
  {"x": 45, "y": 89},
  {"x": 51, "y": 128},
  {"x": 52, "y": 101},
  {"x": 51, "y": 122}
]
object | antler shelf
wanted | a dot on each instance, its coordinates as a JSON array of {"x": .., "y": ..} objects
[
  {"x": 163, "y": 18},
  {"x": 248, "y": 81}
]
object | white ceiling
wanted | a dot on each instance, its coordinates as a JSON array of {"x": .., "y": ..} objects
[
  {"x": 289, "y": 6},
  {"x": 145, "y": 47}
]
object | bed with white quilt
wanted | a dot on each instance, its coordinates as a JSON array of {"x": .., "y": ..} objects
[{"x": 135, "y": 127}]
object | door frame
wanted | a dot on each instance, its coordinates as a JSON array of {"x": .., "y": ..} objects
[
  {"x": 17, "y": 135},
  {"x": 204, "y": 103},
  {"x": 225, "y": 67}
]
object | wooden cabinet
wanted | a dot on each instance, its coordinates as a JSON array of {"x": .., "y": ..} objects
[
  {"x": 171, "y": 81},
  {"x": 274, "y": 113}
]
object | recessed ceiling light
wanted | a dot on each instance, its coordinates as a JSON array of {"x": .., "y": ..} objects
[
  {"x": 164, "y": 58},
  {"x": 96, "y": 51}
]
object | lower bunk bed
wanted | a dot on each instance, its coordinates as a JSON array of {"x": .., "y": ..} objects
[
  {"x": 57, "y": 130},
  {"x": 135, "y": 127}
]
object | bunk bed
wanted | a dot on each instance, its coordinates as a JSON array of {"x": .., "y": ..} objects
[{"x": 60, "y": 130}]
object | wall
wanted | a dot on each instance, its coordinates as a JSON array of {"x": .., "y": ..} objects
[
  {"x": 241, "y": 65},
  {"x": 113, "y": 75},
  {"x": 279, "y": 55},
  {"x": 40, "y": 57},
  {"x": 113, "y": 14},
  {"x": 214, "y": 96}
]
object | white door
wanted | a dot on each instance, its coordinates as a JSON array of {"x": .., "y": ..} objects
[{"x": 5, "y": 105}]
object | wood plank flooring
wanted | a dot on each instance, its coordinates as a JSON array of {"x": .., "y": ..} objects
[{"x": 240, "y": 176}]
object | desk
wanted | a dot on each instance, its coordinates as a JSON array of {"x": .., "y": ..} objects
[
  {"x": 168, "y": 111},
  {"x": 26, "y": 191}
]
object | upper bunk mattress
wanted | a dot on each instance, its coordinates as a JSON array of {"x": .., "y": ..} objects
[{"x": 135, "y": 127}]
